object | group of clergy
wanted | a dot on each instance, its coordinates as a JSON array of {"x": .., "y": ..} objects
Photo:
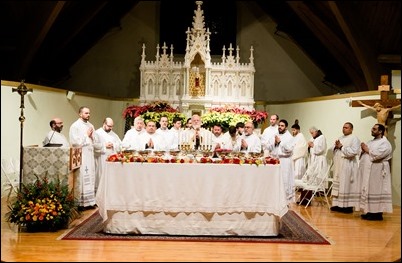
[{"x": 362, "y": 179}]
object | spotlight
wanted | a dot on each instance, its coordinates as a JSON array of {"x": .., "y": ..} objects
[{"x": 70, "y": 95}]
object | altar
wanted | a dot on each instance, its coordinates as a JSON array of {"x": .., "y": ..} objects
[{"x": 191, "y": 199}]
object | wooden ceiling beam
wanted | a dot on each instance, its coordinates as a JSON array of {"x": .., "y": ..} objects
[
  {"x": 389, "y": 59},
  {"x": 365, "y": 54},
  {"x": 332, "y": 41}
]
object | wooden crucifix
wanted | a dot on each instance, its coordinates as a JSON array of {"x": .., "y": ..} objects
[{"x": 384, "y": 106}]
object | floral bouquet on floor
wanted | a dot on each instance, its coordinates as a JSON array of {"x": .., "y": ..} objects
[{"x": 43, "y": 206}]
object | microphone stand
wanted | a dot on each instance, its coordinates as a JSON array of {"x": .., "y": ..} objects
[{"x": 51, "y": 136}]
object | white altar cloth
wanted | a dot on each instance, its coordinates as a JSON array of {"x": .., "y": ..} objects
[{"x": 191, "y": 199}]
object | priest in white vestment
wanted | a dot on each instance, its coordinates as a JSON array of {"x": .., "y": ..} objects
[
  {"x": 150, "y": 140},
  {"x": 219, "y": 141},
  {"x": 164, "y": 131},
  {"x": 232, "y": 140},
  {"x": 317, "y": 153},
  {"x": 375, "y": 175},
  {"x": 197, "y": 137},
  {"x": 345, "y": 190},
  {"x": 110, "y": 143},
  {"x": 299, "y": 152},
  {"x": 269, "y": 132},
  {"x": 131, "y": 137},
  {"x": 55, "y": 136},
  {"x": 249, "y": 141},
  {"x": 281, "y": 146},
  {"x": 176, "y": 131},
  {"x": 82, "y": 133}
]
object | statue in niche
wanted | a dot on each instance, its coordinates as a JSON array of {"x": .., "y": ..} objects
[{"x": 197, "y": 87}]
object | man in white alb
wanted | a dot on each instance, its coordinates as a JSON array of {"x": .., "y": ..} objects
[
  {"x": 250, "y": 142},
  {"x": 299, "y": 152},
  {"x": 197, "y": 136},
  {"x": 164, "y": 131},
  {"x": 131, "y": 137},
  {"x": 346, "y": 191},
  {"x": 218, "y": 138},
  {"x": 269, "y": 132},
  {"x": 176, "y": 131},
  {"x": 150, "y": 140},
  {"x": 232, "y": 139},
  {"x": 82, "y": 133},
  {"x": 110, "y": 143},
  {"x": 55, "y": 136},
  {"x": 281, "y": 146}
]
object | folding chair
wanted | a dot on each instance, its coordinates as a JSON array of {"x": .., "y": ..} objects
[
  {"x": 308, "y": 178},
  {"x": 317, "y": 187},
  {"x": 10, "y": 172}
]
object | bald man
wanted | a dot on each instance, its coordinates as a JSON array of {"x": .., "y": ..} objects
[
  {"x": 109, "y": 143},
  {"x": 55, "y": 136}
]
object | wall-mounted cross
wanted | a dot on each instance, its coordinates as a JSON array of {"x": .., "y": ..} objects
[{"x": 384, "y": 105}]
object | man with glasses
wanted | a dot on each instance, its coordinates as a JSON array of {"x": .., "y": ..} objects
[
  {"x": 250, "y": 142},
  {"x": 131, "y": 137},
  {"x": 197, "y": 136},
  {"x": 107, "y": 143},
  {"x": 55, "y": 137}
]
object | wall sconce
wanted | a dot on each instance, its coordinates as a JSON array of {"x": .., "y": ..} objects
[
  {"x": 22, "y": 90},
  {"x": 70, "y": 95}
]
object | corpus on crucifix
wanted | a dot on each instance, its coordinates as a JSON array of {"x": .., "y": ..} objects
[{"x": 382, "y": 107}]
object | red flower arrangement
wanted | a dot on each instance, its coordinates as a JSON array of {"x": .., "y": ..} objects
[
  {"x": 134, "y": 111},
  {"x": 151, "y": 111}
]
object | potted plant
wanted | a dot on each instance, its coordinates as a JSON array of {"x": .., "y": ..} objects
[{"x": 45, "y": 205}]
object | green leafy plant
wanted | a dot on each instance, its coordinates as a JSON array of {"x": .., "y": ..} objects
[{"x": 43, "y": 206}]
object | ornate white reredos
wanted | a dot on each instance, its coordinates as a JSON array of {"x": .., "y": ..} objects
[{"x": 197, "y": 84}]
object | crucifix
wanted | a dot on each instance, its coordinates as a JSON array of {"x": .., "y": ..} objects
[{"x": 384, "y": 105}]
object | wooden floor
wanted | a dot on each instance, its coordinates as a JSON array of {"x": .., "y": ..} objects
[{"x": 353, "y": 239}]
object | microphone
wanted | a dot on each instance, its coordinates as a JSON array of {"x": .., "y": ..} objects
[
  {"x": 51, "y": 136},
  {"x": 52, "y": 144}
]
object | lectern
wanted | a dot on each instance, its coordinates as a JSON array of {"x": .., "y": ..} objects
[{"x": 53, "y": 162}]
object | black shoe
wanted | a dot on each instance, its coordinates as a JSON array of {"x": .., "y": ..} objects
[
  {"x": 335, "y": 208},
  {"x": 373, "y": 217},
  {"x": 346, "y": 210},
  {"x": 84, "y": 208},
  {"x": 364, "y": 216}
]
